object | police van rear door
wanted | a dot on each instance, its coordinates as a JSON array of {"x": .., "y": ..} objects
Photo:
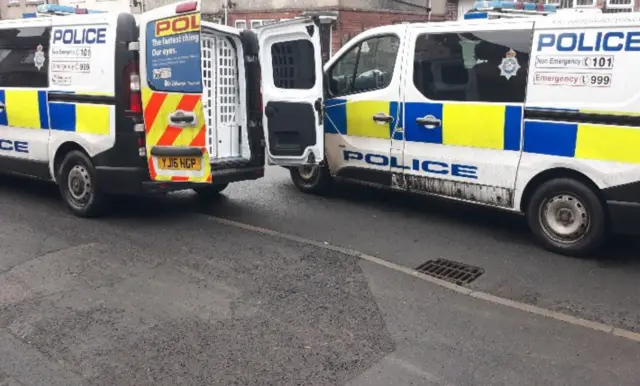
[
  {"x": 292, "y": 89},
  {"x": 171, "y": 81}
]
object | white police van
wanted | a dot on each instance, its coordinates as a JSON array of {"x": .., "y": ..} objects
[
  {"x": 107, "y": 103},
  {"x": 537, "y": 114}
]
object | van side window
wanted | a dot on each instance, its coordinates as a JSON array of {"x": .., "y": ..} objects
[
  {"x": 367, "y": 66},
  {"x": 482, "y": 66},
  {"x": 22, "y": 51},
  {"x": 293, "y": 65}
]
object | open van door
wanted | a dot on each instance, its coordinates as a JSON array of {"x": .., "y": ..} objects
[
  {"x": 171, "y": 82},
  {"x": 292, "y": 91}
]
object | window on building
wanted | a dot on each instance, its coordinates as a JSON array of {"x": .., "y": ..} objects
[
  {"x": 566, "y": 4},
  {"x": 611, "y": 6},
  {"x": 618, "y": 10},
  {"x": 259, "y": 23},
  {"x": 485, "y": 66},
  {"x": 24, "y": 55},
  {"x": 241, "y": 24},
  {"x": 293, "y": 64},
  {"x": 618, "y": 6},
  {"x": 365, "y": 67}
]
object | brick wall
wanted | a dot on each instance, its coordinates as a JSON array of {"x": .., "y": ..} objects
[
  {"x": 352, "y": 22},
  {"x": 452, "y": 10},
  {"x": 349, "y": 24},
  {"x": 248, "y": 16}
]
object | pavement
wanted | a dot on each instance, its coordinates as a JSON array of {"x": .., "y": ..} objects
[{"x": 159, "y": 293}]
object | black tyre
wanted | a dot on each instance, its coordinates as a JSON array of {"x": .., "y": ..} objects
[
  {"x": 78, "y": 185},
  {"x": 568, "y": 217},
  {"x": 311, "y": 179},
  {"x": 210, "y": 191}
]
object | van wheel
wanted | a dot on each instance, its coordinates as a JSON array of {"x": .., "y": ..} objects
[
  {"x": 210, "y": 191},
  {"x": 77, "y": 182},
  {"x": 567, "y": 217},
  {"x": 311, "y": 179}
]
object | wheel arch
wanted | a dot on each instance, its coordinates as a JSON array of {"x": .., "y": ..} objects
[
  {"x": 557, "y": 172},
  {"x": 62, "y": 150}
]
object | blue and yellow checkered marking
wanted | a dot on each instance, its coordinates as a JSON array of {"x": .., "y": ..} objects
[
  {"x": 582, "y": 140},
  {"x": 24, "y": 108},
  {"x": 80, "y": 118},
  {"x": 486, "y": 126},
  {"x": 357, "y": 116},
  {"x": 28, "y": 109},
  {"x": 463, "y": 124}
]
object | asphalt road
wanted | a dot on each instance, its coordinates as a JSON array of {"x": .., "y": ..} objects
[
  {"x": 409, "y": 230},
  {"x": 160, "y": 294}
]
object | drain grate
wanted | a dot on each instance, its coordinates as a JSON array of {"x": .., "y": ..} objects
[{"x": 452, "y": 271}]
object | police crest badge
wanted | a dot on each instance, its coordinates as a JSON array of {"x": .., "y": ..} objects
[
  {"x": 38, "y": 57},
  {"x": 509, "y": 66}
]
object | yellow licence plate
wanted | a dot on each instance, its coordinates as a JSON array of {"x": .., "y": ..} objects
[{"x": 180, "y": 163}]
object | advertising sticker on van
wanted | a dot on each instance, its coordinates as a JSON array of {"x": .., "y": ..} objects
[{"x": 173, "y": 54}]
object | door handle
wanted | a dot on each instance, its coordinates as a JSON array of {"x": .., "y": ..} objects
[
  {"x": 318, "y": 106},
  {"x": 429, "y": 122},
  {"x": 1, "y": 106},
  {"x": 382, "y": 118},
  {"x": 182, "y": 119}
]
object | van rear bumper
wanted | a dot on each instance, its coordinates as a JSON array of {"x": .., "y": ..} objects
[
  {"x": 135, "y": 180},
  {"x": 624, "y": 217}
]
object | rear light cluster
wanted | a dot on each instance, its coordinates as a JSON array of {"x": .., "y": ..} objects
[
  {"x": 132, "y": 93},
  {"x": 142, "y": 146},
  {"x": 133, "y": 101}
]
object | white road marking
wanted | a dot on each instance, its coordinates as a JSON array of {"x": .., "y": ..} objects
[{"x": 570, "y": 319}]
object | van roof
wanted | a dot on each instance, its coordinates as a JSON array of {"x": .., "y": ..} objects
[
  {"x": 556, "y": 20},
  {"x": 93, "y": 18}
]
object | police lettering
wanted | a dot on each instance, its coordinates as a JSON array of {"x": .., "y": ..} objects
[
  {"x": 80, "y": 36},
  {"x": 589, "y": 42},
  {"x": 14, "y": 146},
  {"x": 427, "y": 166},
  {"x": 178, "y": 25}
]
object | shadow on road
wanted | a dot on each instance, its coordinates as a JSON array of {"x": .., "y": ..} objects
[
  {"x": 119, "y": 207},
  {"x": 502, "y": 225},
  {"x": 620, "y": 250}
]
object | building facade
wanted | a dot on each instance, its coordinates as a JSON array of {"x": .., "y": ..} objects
[
  {"x": 343, "y": 19},
  {"x": 15, "y": 9}
]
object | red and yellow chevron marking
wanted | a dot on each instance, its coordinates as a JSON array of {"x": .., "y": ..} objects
[{"x": 157, "y": 107}]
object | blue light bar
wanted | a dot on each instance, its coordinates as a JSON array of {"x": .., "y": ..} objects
[
  {"x": 513, "y": 5},
  {"x": 476, "y": 15},
  {"x": 61, "y": 9}
]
